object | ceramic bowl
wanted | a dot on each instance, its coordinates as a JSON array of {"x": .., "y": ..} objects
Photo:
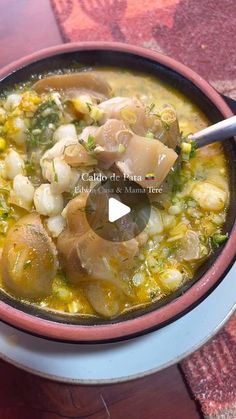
[{"x": 70, "y": 328}]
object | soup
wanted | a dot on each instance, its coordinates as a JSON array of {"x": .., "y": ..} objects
[{"x": 60, "y": 135}]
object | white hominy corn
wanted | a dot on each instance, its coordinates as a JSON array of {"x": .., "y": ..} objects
[
  {"x": 138, "y": 279},
  {"x": 57, "y": 99},
  {"x": 168, "y": 220},
  {"x": 59, "y": 174},
  {"x": 152, "y": 264},
  {"x": 155, "y": 225},
  {"x": 65, "y": 132},
  {"x": 14, "y": 164},
  {"x": 175, "y": 209},
  {"x": 171, "y": 278},
  {"x": 47, "y": 203},
  {"x": 23, "y": 189},
  {"x": 209, "y": 197},
  {"x": 55, "y": 225},
  {"x": 19, "y": 135},
  {"x": 12, "y": 101},
  {"x": 218, "y": 218}
]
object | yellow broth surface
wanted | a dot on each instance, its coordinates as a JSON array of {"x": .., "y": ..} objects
[{"x": 185, "y": 227}]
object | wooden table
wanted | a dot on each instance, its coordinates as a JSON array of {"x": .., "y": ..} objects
[{"x": 26, "y": 26}]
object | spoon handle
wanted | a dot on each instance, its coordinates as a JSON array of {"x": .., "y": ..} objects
[{"x": 217, "y": 132}]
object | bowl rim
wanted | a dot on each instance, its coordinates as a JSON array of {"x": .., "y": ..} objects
[{"x": 149, "y": 321}]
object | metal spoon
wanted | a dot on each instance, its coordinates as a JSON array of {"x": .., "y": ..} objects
[{"x": 217, "y": 132}]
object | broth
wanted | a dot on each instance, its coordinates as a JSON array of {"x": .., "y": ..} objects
[{"x": 186, "y": 218}]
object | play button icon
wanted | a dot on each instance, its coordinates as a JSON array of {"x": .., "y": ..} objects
[{"x": 116, "y": 209}]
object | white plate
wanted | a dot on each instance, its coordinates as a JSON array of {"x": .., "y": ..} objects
[{"x": 107, "y": 363}]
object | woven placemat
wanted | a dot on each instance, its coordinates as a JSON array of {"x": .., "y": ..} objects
[{"x": 199, "y": 33}]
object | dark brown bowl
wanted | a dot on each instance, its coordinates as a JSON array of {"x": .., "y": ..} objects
[{"x": 70, "y": 328}]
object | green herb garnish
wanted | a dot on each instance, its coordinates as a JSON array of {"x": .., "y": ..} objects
[
  {"x": 44, "y": 122},
  {"x": 193, "y": 149},
  {"x": 89, "y": 145},
  {"x": 30, "y": 167},
  {"x": 218, "y": 239},
  {"x": 150, "y": 108},
  {"x": 165, "y": 125},
  {"x": 149, "y": 134},
  {"x": 54, "y": 172},
  {"x": 27, "y": 264},
  {"x": 152, "y": 294},
  {"x": 89, "y": 106},
  {"x": 91, "y": 142}
]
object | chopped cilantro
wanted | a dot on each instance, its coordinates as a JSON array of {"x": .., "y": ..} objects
[
  {"x": 54, "y": 172},
  {"x": 166, "y": 126},
  {"x": 185, "y": 141},
  {"x": 150, "y": 108},
  {"x": 4, "y": 216},
  {"x": 44, "y": 121},
  {"x": 193, "y": 149},
  {"x": 218, "y": 239},
  {"x": 149, "y": 134},
  {"x": 30, "y": 167},
  {"x": 152, "y": 294},
  {"x": 121, "y": 148},
  {"x": 90, "y": 144},
  {"x": 89, "y": 106}
]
